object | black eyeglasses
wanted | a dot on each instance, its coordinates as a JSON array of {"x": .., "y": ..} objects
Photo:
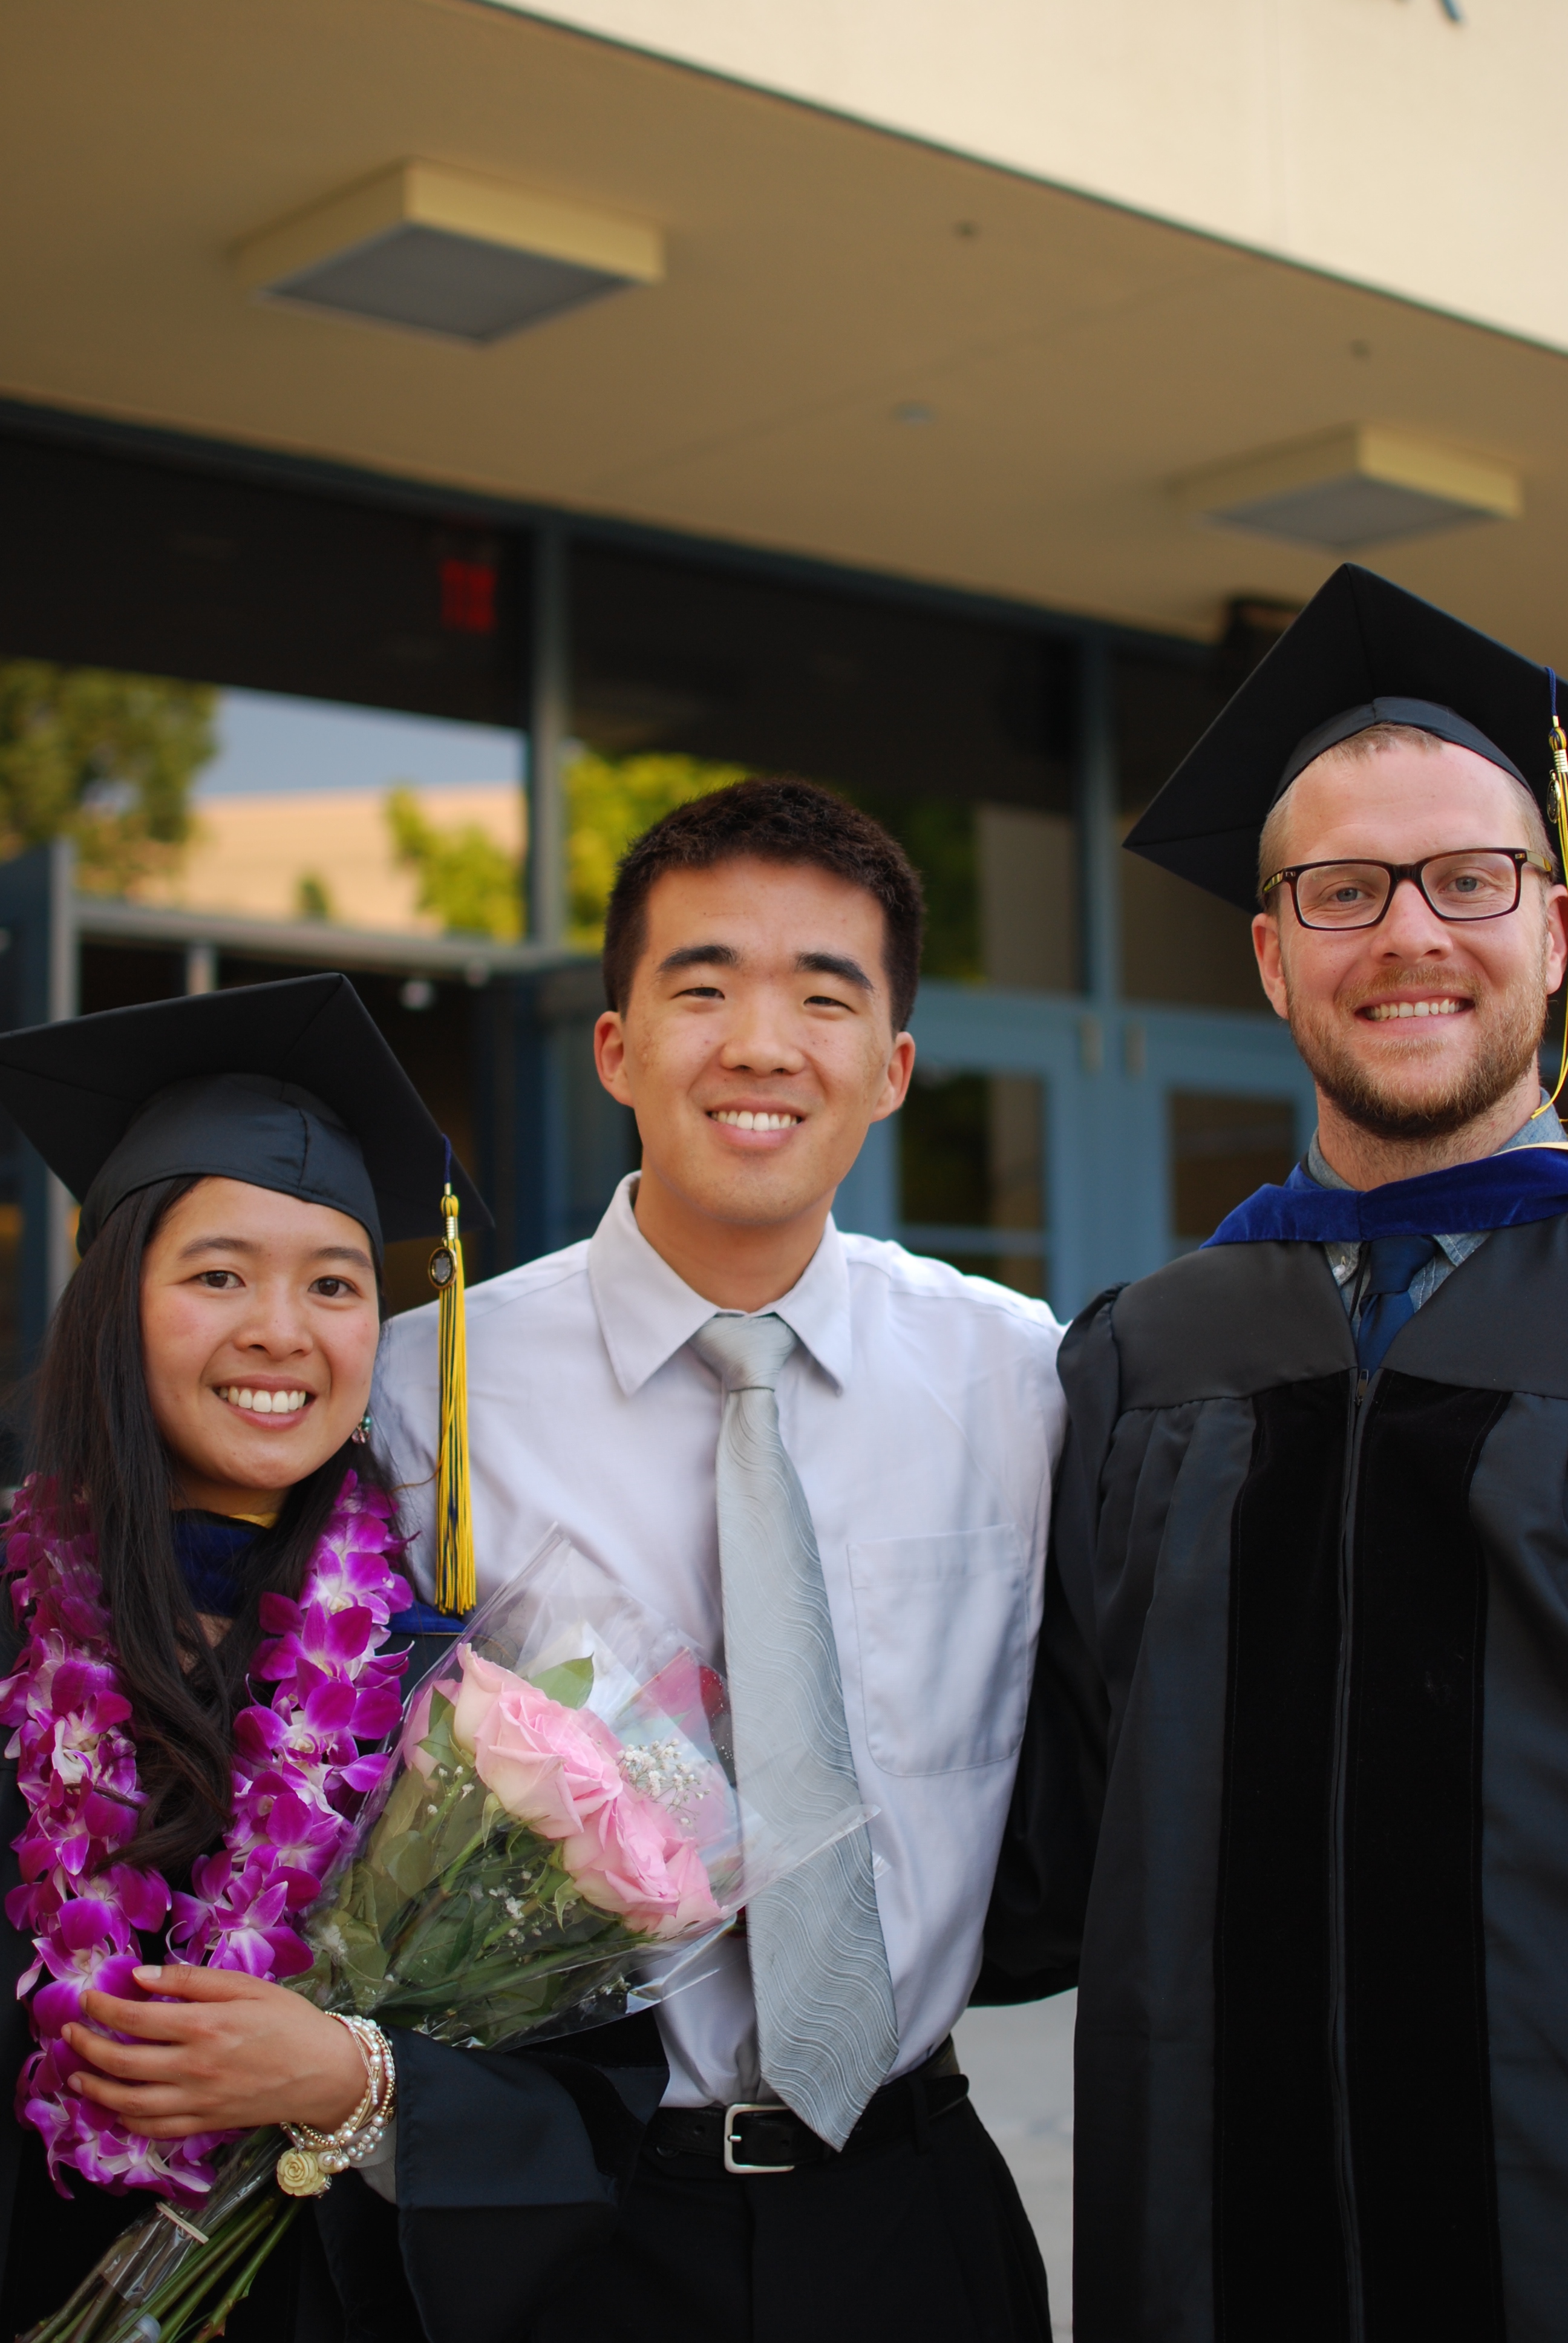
[{"x": 1482, "y": 883}]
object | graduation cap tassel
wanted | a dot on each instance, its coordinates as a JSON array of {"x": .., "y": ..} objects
[
  {"x": 456, "y": 1591},
  {"x": 1558, "y": 805}
]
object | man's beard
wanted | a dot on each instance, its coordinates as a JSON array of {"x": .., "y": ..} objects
[{"x": 1514, "y": 1024}]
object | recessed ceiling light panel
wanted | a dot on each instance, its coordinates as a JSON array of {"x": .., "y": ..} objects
[
  {"x": 1359, "y": 486},
  {"x": 444, "y": 252}
]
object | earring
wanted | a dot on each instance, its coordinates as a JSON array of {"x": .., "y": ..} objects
[{"x": 361, "y": 1431}]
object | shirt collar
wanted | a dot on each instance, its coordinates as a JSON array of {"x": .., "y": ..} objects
[
  {"x": 1539, "y": 1127},
  {"x": 645, "y": 1313}
]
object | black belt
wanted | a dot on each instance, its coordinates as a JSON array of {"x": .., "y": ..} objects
[{"x": 748, "y": 2138}]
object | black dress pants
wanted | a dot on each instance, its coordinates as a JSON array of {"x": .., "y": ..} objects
[{"x": 899, "y": 2243}]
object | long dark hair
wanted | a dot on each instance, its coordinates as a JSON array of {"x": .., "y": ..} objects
[{"x": 95, "y": 1438}]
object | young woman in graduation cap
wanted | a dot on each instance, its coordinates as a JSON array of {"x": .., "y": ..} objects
[{"x": 202, "y": 1483}]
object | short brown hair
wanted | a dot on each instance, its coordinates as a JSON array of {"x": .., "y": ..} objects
[{"x": 776, "y": 818}]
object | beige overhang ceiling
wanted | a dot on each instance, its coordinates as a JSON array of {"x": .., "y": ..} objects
[{"x": 861, "y": 348}]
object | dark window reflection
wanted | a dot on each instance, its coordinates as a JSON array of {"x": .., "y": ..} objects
[
  {"x": 113, "y": 562},
  {"x": 1178, "y": 943},
  {"x": 972, "y": 1158},
  {"x": 1221, "y": 1149},
  {"x": 956, "y": 733}
]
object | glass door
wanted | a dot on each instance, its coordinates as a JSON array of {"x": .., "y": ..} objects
[{"x": 1061, "y": 1148}]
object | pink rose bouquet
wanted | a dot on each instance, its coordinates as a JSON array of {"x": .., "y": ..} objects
[
  {"x": 542, "y": 1859},
  {"x": 559, "y": 1832}
]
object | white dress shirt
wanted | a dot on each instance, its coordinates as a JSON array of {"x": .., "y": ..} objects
[{"x": 922, "y": 1412}]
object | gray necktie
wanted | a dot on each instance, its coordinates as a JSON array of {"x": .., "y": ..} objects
[{"x": 825, "y": 2021}]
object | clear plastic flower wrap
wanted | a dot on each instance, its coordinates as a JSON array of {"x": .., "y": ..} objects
[
  {"x": 560, "y": 1832},
  {"x": 555, "y": 1837}
]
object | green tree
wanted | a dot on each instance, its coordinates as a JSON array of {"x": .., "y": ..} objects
[
  {"x": 312, "y": 897},
  {"x": 107, "y": 759},
  {"x": 611, "y": 801},
  {"x": 939, "y": 836},
  {"x": 473, "y": 886}
]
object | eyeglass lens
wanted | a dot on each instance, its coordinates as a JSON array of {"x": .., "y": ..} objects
[{"x": 1474, "y": 886}]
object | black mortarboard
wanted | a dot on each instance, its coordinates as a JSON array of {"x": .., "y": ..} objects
[
  {"x": 287, "y": 1086},
  {"x": 1363, "y": 652}
]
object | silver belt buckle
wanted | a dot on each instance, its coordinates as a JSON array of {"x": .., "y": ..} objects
[{"x": 750, "y": 2108}]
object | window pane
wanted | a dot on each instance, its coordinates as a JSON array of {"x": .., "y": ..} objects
[
  {"x": 972, "y": 1174},
  {"x": 359, "y": 816},
  {"x": 1221, "y": 1149},
  {"x": 256, "y": 804},
  {"x": 316, "y": 615},
  {"x": 956, "y": 733},
  {"x": 1179, "y": 944},
  {"x": 114, "y": 562}
]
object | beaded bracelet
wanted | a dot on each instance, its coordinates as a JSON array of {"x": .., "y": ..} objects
[{"x": 306, "y": 2169}]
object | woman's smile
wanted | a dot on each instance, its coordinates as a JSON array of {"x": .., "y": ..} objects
[{"x": 265, "y": 1399}]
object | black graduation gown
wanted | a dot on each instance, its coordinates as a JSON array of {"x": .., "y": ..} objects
[
  {"x": 1304, "y": 1676},
  {"x": 508, "y": 2167}
]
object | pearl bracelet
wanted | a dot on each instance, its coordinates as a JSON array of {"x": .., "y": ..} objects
[{"x": 306, "y": 2169}]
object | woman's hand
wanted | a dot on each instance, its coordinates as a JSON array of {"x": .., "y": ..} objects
[{"x": 227, "y": 2053}]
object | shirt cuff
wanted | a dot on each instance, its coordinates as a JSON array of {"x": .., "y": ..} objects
[{"x": 379, "y": 2168}]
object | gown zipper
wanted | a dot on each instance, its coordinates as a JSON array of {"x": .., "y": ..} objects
[{"x": 1344, "y": 2176}]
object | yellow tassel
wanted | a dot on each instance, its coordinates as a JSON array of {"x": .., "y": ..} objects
[
  {"x": 1560, "y": 814},
  {"x": 456, "y": 1591}
]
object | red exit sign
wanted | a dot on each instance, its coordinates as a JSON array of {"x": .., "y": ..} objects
[{"x": 468, "y": 596}]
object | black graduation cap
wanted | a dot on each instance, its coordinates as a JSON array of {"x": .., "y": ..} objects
[
  {"x": 1363, "y": 652},
  {"x": 287, "y": 1086}
]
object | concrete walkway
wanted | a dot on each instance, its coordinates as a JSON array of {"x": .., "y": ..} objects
[{"x": 1019, "y": 2065}]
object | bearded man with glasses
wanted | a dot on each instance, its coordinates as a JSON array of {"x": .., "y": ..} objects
[{"x": 1297, "y": 1764}]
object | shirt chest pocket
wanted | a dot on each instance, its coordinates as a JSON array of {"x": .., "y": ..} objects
[{"x": 942, "y": 1628}]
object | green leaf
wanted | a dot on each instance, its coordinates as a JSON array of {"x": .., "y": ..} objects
[
  {"x": 389, "y": 1900},
  {"x": 611, "y": 800},
  {"x": 464, "y": 877},
  {"x": 439, "y": 1743},
  {"x": 108, "y": 758},
  {"x": 411, "y": 1792},
  {"x": 410, "y": 1863},
  {"x": 570, "y": 1682},
  {"x": 442, "y": 1952}
]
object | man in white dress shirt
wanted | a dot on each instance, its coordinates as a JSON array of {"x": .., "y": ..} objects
[{"x": 760, "y": 960}]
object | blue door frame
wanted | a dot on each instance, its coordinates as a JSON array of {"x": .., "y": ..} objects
[{"x": 1107, "y": 1076}]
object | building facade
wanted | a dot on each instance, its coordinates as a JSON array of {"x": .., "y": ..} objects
[{"x": 950, "y": 405}]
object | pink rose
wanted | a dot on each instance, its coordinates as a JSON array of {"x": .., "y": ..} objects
[
  {"x": 632, "y": 1861},
  {"x": 551, "y": 1768}
]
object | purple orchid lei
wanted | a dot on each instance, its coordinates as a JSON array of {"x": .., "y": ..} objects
[{"x": 299, "y": 1778}]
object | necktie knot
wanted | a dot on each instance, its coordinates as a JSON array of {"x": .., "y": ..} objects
[
  {"x": 1394, "y": 1262},
  {"x": 1393, "y": 1266},
  {"x": 745, "y": 1354}
]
